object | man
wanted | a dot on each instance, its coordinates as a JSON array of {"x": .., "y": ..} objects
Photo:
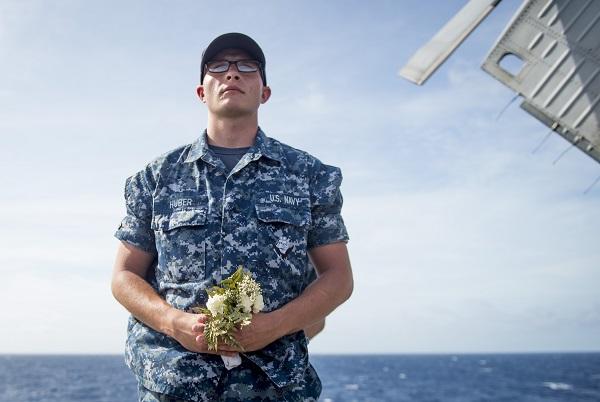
[{"x": 233, "y": 197}]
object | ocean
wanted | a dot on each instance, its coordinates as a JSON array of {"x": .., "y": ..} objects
[{"x": 539, "y": 377}]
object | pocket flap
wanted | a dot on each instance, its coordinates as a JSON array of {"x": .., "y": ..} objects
[
  {"x": 189, "y": 217},
  {"x": 276, "y": 213}
]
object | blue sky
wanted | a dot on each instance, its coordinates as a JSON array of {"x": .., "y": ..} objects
[{"x": 462, "y": 240}]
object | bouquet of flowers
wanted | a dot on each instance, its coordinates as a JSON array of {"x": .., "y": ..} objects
[{"x": 230, "y": 306}]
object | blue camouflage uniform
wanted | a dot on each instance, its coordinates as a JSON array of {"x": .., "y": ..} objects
[{"x": 202, "y": 222}]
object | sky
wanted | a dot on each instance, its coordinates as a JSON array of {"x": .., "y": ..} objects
[{"x": 462, "y": 239}]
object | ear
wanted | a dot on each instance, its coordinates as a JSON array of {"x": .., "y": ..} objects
[
  {"x": 266, "y": 94},
  {"x": 200, "y": 92}
]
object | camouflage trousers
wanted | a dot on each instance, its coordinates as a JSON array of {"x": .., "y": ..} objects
[{"x": 247, "y": 383}]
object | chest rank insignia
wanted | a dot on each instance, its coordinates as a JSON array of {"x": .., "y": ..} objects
[{"x": 283, "y": 245}]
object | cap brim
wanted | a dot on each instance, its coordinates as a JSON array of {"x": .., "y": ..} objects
[{"x": 234, "y": 41}]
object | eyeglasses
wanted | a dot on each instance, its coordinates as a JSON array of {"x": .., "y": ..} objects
[{"x": 243, "y": 66}]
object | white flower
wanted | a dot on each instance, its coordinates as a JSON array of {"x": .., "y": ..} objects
[
  {"x": 245, "y": 302},
  {"x": 240, "y": 295},
  {"x": 216, "y": 304},
  {"x": 259, "y": 304}
]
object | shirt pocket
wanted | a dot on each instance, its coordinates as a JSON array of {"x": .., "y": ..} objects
[
  {"x": 281, "y": 260},
  {"x": 181, "y": 245},
  {"x": 283, "y": 230}
]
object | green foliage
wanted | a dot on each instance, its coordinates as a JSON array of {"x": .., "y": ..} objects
[{"x": 228, "y": 296}]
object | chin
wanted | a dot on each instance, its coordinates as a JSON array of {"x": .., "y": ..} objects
[{"x": 234, "y": 111}]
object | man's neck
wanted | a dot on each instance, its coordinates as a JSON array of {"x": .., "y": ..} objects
[{"x": 232, "y": 133}]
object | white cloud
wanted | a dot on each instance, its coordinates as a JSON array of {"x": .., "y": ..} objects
[
  {"x": 461, "y": 268},
  {"x": 46, "y": 312},
  {"x": 57, "y": 263},
  {"x": 315, "y": 102},
  {"x": 60, "y": 235},
  {"x": 13, "y": 16}
]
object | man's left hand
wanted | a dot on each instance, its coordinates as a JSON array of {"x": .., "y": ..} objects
[{"x": 261, "y": 331}]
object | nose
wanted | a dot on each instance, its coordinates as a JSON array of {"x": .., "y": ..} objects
[{"x": 233, "y": 73}]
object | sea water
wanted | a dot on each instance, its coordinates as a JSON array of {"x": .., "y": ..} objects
[{"x": 420, "y": 378}]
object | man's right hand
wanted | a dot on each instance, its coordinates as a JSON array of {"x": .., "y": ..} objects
[
  {"x": 131, "y": 289},
  {"x": 189, "y": 332}
]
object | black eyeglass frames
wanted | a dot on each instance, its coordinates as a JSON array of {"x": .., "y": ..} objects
[{"x": 243, "y": 66}]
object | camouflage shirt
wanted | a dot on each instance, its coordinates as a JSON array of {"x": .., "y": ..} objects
[{"x": 202, "y": 222}]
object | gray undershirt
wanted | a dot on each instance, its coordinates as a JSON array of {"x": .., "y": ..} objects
[{"x": 229, "y": 156}]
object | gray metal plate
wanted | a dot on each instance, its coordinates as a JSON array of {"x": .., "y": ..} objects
[
  {"x": 558, "y": 42},
  {"x": 429, "y": 57}
]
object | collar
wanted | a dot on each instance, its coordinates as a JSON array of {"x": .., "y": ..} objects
[{"x": 263, "y": 146}]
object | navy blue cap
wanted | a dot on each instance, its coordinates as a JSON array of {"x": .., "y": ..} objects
[{"x": 233, "y": 40}]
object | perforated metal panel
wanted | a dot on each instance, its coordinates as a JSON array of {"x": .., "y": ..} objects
[{"x": 558, "y": 42}]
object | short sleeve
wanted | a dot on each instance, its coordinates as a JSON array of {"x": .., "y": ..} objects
[
  {"x": 135, "y": 228},
  {"x": 327, "y": 225}
]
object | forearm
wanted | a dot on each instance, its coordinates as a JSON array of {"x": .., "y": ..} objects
[
  {"x": 312, "y": 330},
  {"x": 142, "y": 301},
  {"x": 333, "y": 286}
]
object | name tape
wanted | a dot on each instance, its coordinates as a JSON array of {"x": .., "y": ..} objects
[
  {"x": 180, "y": 202},
  {"x": 285, "y": 199}
]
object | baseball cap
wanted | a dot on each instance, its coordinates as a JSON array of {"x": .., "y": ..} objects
[{"x": 233, "y": 40}]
